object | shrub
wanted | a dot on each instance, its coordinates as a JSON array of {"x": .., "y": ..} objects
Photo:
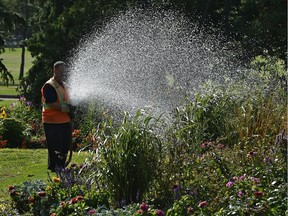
[{"x": 12, "y": 130}]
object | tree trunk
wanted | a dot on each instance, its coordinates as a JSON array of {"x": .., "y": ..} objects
[{"x": 21, "y": 74}]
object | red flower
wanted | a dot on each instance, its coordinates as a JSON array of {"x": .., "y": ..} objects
[
  {"x": 31, "y": 199},
  {"x": 10, "y": 187},
  {"x": 79, "y": 198},
  {"x": 42, "y": 194},
  {"x": 258, "y": 193},
  {"x": 190, "y": 210},
  {"x": 74, "y": 200},
  {"x": 202, "y": 204}
]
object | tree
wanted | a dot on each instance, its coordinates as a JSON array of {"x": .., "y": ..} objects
[
  {"x": 259, "y": 26},
  {"x": 62, "y": 25},
  {"x": 8, "y": 21}
]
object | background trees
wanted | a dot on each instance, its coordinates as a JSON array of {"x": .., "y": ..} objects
[
  {"x": 8, "y": 22},
  {"x": 259, "y": 26}
]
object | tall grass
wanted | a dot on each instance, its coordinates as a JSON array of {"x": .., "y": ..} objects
[{"x": 130, "y": 153}]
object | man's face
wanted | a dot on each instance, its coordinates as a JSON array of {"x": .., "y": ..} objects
[{"x": 59, "y": 73}]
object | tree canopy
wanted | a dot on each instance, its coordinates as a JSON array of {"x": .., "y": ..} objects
[{"x": 259, "y": 26}]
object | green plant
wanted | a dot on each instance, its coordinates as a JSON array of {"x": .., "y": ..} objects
[
  {"x": 130, "y": 155},
  {"x": 20, "y": 194},
  {"x": 12, "y": 130}
]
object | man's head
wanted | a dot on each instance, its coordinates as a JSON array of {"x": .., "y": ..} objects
[{"x": 59, "y": 71}]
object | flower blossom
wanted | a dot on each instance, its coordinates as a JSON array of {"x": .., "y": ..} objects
[
  {"x": 92, "y": 211},
  {"x": 144, "y": 207},
  {"x": 41, "y": 193},
  {"x": 240, "y": 194},
  {"x": 56, "y": 180},
  {"x": 160, "y": 212},
  {"x": 202, "y": 204},
  {"x": 258, "y": 193},
  {"x": 229, "y": 184}
]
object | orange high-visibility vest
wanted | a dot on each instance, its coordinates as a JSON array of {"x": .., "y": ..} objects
[{"x": 50, "y": 115}]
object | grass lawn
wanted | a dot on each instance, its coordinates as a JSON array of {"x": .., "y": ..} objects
[
  {"x": 12, "y": 61},
  {"x": 19, "y": 165},
  {"x": 7, "y": 102}
]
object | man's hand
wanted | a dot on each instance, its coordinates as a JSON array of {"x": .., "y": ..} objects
[{"x": 65, "y": 108}]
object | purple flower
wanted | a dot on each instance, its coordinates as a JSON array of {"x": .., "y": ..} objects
[
  {"x": 160, "y": 212},
  {"x": 176, "y": 188},
  {"x": 242, "y": 177},
  {"x": 229, "y": 184},
  {"x": 255, "y": 180},
  {"x": 240, "y": 194},
  {"x": 144, "y": 206},
  {"x": 29, "y": 103}
]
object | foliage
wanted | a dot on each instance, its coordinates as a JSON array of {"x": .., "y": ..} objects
[
  {"x": 218, "y": 156},
  {"x": 25, "y": 111},
  {"x": 64, "y": 195},
  {"x": 8, "y": 21},
  {"x": 61, "y": 26},
  {"x": 130, "y": 156},
  {"x": 12, "y": 130}
]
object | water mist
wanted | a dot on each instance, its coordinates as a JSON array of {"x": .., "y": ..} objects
[{"x": 145, "y": 58}]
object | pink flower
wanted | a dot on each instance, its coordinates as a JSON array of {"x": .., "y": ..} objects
[
  {"x": 140, "y": 211},
  {"x": 255, "y": 180},
  {"x": 220, "y": 146},
  {"x": 92, "y": 211},
  {"x": 202, "y": 204},
  {"x": 240, "y": 194},
  {"x": 206, "y": 144},
  {"x": 229, "y": 184}
]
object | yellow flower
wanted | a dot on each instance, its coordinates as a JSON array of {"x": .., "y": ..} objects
[
  {"x": 3, "y": 113},
  {"x": 56, "y": 180}
]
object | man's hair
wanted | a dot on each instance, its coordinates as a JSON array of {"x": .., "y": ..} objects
[{"x": 58, "y": 63}]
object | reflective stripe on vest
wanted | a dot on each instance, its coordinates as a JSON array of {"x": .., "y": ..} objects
[
  {"x": 56, "y": 86},
  {"x": 50, "y": 115}
]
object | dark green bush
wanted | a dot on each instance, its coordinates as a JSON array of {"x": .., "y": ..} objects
[{"x": 12, "y": 130}]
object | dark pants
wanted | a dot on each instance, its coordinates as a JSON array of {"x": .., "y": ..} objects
[{"x": 59, "y": 140}]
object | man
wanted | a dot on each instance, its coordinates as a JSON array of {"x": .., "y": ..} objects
[{"x": 55, "y": 117}]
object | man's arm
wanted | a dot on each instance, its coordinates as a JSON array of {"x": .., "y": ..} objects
[{"x": 50, "y": 96}]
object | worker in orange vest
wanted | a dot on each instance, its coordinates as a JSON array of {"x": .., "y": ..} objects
[{"x": 55, "y": 118}]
